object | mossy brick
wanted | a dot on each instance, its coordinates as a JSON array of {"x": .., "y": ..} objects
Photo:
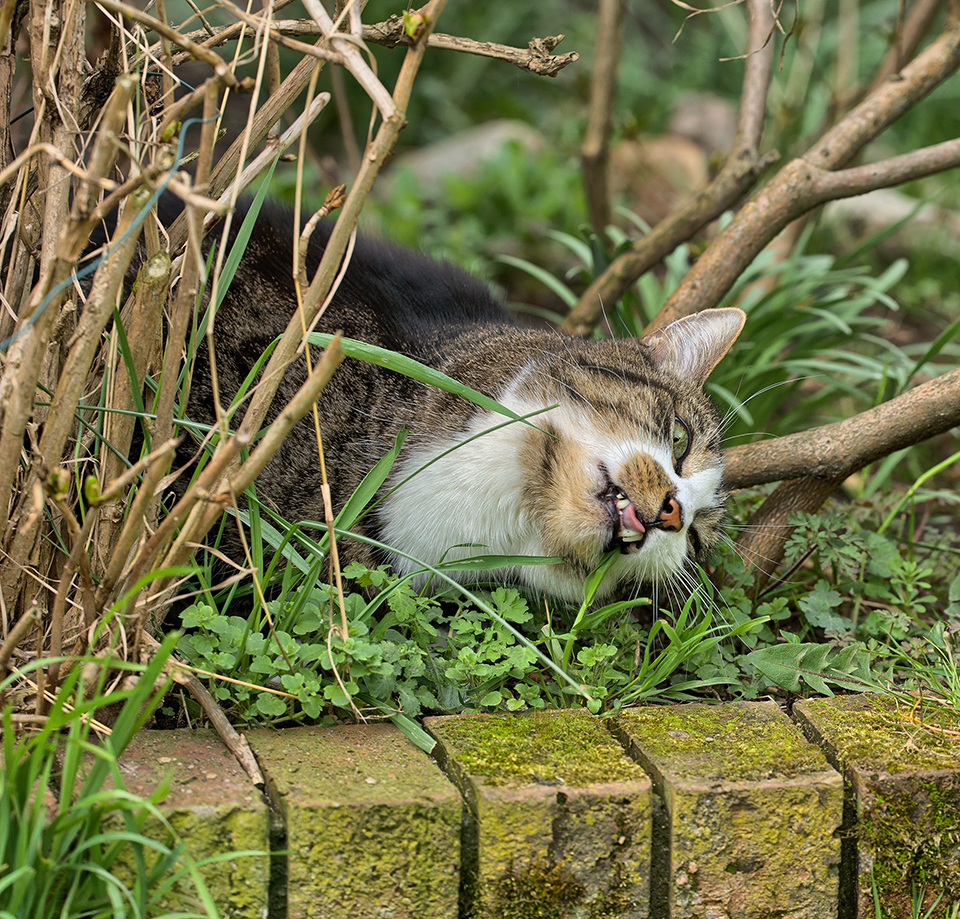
[
  {"x": 559, "y": 819},
  {"x": 748, "y": 812},
  {"x": 902, "y": 767},
  {"x": 213, "y": 806},
  {"x": 373, "y": 826}
]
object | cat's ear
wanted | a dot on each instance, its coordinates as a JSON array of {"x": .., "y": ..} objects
[{"x": 691, "y": 347}]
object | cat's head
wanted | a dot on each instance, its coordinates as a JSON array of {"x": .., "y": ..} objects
[{"x": 630, "y": 458}]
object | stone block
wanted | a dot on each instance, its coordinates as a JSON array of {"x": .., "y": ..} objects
[
  {"x": 373, "y": 826},
  {"x": 559, "y": 817},
  {"x": 902, "y": 768},
  {"x": 214, "y": 808},
  {"x": 749, "y": 812}
]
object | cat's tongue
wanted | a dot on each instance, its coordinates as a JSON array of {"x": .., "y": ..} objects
[{"x": 630, "y": 520}]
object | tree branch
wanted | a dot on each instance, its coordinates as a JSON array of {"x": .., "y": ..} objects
[
  {"x": 908, "y": 39},
  {"x": 595, "y": 149},
  {"x": 805, "y": 183},
  {"x": 762, "y": 544},
  {"x": 536, "y": 58},
  {"x": 858, "y": 180},
  {"x": 735, "y": 178},
  {"x": 815, "y": 462},
  {"x": 839, "y": 449}
]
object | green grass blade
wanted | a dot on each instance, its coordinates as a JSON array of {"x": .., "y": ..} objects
[
  {"x": 232, "y": 260},
  {"x": 548, "y": 280},
  {"x": 400, "y": 363}
]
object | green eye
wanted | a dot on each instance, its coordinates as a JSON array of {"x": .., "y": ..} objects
[{"x": 681, "y": 439}]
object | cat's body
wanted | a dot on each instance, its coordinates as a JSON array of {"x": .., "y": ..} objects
[{"x": 629, "y": 458}]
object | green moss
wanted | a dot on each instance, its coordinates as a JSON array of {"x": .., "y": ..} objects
[
  {"x": 238, "y": 885},
  {"x": 745, "y": 742},
  {"x": 912, "y": 829},
  {"x": 562, "y": 747},
  {"x": 903, "y": 761},
  {"x": 547, "y": 890},
  {"x": 878, "y": 733},
  {"x": 347, "y": 857},
  {"x": 541, "y": 890}
]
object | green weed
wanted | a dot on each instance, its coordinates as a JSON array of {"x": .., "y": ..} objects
[{"x": 60, "y": 858}]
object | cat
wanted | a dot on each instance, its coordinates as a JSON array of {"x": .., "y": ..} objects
[{"x": 628, "y": 459}]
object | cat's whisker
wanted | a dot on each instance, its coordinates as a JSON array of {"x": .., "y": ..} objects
[
  {"x": 732, "y": 413},
  {"x": 754, "y": 559},
  {"x": 724, "y": 441},
  {"x": 741, "y": 527}
]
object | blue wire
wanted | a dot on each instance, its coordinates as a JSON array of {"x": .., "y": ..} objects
[{"x": 133, "y": 228}]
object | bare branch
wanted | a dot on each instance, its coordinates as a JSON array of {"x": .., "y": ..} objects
[
  {"x": 735, "y": 178},
  {"x": 595, "y": 149},
  {"x": 24, "y": 358},
  {"x": 802, "y": 184},
  {"x": 302, "y": 402},
  {"x": 537, "y": 57},
  {"x": 816, "y": 462},
  {"x": 907, "y": 41},
  {"x": 156, "y": 464},
  {"x": 234, "y": 741},
  {"x": 858, "y": 180},
  {"x": 347, "y": 46},
  {"x": 273, "y": 149},
  {"x": 763, "y": 542},
  {"x": 837, "y": 450}
]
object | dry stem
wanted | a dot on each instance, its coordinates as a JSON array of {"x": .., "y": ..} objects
[
  {"x": 286, "y": 349},
  {"x": 537, "y": 57}
]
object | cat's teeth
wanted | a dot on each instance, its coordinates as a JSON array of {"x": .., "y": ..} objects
[
  {"x": 622, "y": 501},
  {"x": 628, "y": 535}
]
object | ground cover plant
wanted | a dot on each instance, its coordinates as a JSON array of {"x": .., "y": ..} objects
[{"x": 844, "y": 576}]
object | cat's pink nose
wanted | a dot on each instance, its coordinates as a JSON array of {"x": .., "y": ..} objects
[{"x": 669, "y": 518}]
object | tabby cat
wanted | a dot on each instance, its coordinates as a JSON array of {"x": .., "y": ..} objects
[{"x": 629, "y": 458}]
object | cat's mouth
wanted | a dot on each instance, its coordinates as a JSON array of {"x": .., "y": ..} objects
[{"x": 628, "y": 532}]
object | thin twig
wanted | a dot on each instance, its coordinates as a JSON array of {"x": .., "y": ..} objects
[
  {"x": 536, "y": 58},
  {"x": 26, "y": 356},
  {"x": 595, "y": 149},
  {"x": 236, "y": 743},
  {"x": 200, "y": 53},
  {"x": 156, "y": 464},
  {"x": 734, "y": 179}
]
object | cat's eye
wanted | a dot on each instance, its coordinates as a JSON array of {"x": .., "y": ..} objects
[{"x": 681, "y": 439}]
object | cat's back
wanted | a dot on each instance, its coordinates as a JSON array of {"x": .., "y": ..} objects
[{"x": 395, "y": 297}]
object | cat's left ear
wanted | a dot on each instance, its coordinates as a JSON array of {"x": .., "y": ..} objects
[{"x": 691, "y": 347}]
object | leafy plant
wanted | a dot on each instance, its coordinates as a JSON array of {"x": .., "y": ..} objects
[{"x": 514, "y": 203}]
